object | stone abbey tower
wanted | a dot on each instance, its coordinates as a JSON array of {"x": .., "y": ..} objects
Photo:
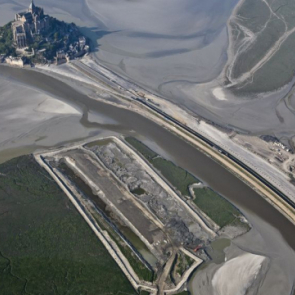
[{"x": 28, "y": 23}]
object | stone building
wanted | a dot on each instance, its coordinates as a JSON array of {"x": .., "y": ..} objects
[
  {"x": 19, "y": 34},
  {"x": 28, "y": 23},
  {"x": 61, "y": 57},
  {"x": 82, "y": 42},
  {"x": 15, "y": 61}
]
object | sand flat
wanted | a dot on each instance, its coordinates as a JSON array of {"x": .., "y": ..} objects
[{"x": 241, "y": 271}]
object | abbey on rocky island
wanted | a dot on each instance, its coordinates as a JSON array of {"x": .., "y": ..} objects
[{"x": 28, "y": 23}]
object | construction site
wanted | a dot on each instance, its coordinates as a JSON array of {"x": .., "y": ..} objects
[{"x": 152, "y": 233}]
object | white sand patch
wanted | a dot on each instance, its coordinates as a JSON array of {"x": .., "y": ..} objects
[
  {"x": 54, "y": 106},
  {"x": 237, "y": 275},
  {"x": 65, "y": 70},
  {"x": 219, "y": 94}
]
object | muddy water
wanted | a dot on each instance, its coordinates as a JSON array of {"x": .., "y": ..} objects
[
  {"x": 182, "y": 153},
  {"x": 13, "y": 153},
  {"x": 275, "y": 232},
  {"x": 138, "y": 244},
  {"x": 216, "y": 252}
]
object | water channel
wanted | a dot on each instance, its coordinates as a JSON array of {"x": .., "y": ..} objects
[{"x": 273, "y": 234}]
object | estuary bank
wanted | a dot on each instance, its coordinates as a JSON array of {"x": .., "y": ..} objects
[{"x": 272, "y": 233}]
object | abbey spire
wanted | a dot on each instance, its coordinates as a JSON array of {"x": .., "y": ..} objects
[{"x": 32, "y": 7}]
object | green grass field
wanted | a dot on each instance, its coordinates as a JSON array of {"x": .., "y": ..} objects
[
  {"x": 217, "y": 208},
  {"x": 142, "y": 148},
  {"x": 177, "y": 176},
  {"x": 45, "y": 245},
  {"x": 181, "y": 264}
]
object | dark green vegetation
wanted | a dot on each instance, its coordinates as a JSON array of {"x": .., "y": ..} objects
[
  {"x": 60, "y": 35},
  {"x": 144, "y": 292},
  {"x": 139, "y": 268},
  {"x": 266, "y": 27},
  {"x": 254, "y": 14},
  {"x": 181, "y": 263},
  {"x": 278, "y": 71},
  {"x": 138, "y": 191},
  {"x": 142, "y": 272},
  {"x": 142, "y": 148},
  {"x": 6, "y": 40},
  {"x": 217, "y": 208},
  {"x": 177, "y": 176},
  {"x": 45, "y": 245}
]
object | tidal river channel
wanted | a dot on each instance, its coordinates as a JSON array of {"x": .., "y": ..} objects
[{"x": 272, "y": 234}]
